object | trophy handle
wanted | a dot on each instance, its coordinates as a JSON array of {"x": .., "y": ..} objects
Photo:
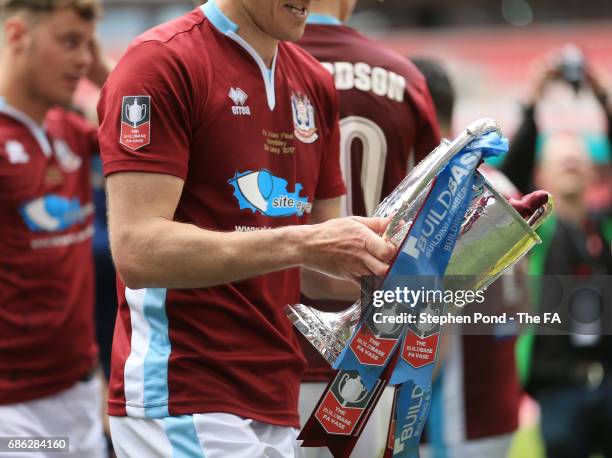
[{"x": 144, "y": 112}]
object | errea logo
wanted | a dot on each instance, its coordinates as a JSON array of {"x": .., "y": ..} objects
[
  {"x": 16, "y": 152},
  {"x": 239, "y": 97}
]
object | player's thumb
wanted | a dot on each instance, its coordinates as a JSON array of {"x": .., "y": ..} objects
[{"x": 378, "y": 225}]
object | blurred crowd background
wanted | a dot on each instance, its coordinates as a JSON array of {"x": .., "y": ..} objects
[{"x": 493, "y": 51}]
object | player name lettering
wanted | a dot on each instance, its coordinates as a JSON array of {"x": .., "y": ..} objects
[{"x": 364, "y": 77}]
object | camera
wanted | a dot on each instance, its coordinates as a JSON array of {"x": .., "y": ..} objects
[{"x": 571, "y": 65}]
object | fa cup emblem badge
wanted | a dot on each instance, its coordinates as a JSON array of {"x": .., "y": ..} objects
[
  {"x": 135, "y": 112},
  {"x": 352, "y": 390},
  {"x": 136, "y": 121}
]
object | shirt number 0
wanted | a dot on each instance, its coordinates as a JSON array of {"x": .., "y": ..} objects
[{"x": 374, "y": 146}]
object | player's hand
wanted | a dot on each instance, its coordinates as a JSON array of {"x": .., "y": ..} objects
[
  {"x": 528, "y": 205},
  {"x": 348, "y": 248}
]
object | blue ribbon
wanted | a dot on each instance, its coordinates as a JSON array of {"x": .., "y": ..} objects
[{"x": 427, "y": 252}]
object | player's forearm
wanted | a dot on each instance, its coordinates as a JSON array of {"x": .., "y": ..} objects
[{"x": 168, "y": 254}]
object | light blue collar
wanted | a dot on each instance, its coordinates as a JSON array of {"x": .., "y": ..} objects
[
  {"x": 37, "y": 131},
  {"x": 218, "y": 19},
  {"x": 322, "y": 19},
  {"x": 227, "y": 27}
]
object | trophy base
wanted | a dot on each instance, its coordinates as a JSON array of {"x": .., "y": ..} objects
[{"x": 328, "y": 332}]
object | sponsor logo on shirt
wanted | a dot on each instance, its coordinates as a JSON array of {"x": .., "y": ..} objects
[
  {"x": 16, "y": 152},
  {"x": 53, "y": 213},
  {"x": 135, "y": 121},
  {"x": 262, "y": 192},
  {"x": 303, "y": 118},
  {"x": 64, "y": 239},
  {"x": 239, "y": 97},
  {"x": 239, "y": 228}
]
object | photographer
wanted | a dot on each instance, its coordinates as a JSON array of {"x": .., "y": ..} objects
[
  {"x": 569, "y": 375},
  {"x": 568, "y": 66}
]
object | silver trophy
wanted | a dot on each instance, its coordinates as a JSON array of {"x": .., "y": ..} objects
[{"x": 493, "y": 237}]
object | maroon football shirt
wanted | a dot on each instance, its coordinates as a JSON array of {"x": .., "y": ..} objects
[
  {"x": 387, "y": 120},
  {"x": 47, "y": 338},
  {"x": 255, "y": 147}
]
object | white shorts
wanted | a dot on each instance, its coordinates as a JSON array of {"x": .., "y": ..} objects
[
  {"x": 490, "y": 447},
  {"x": 75, "y": 413},
  {"x": 373, "y": 440},
  {"x": 210, "y": 435}
]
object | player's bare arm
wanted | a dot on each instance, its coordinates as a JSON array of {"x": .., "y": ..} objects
[{"x": 152, "y": 250}]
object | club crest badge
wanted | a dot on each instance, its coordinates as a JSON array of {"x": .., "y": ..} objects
[
  {"x": 135, "y": 121},
  {"x": 67, "y": 160},
  {"x": 303, "y": 118}
]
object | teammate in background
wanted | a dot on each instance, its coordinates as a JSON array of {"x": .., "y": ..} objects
[
  {"x": 474, "y": 415},
  {"x": 48, "y": 356},
  {"x": 219, "y": 142},
  {"x": 387, "y": 124},
  {"x": 106, "y": 277}
]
